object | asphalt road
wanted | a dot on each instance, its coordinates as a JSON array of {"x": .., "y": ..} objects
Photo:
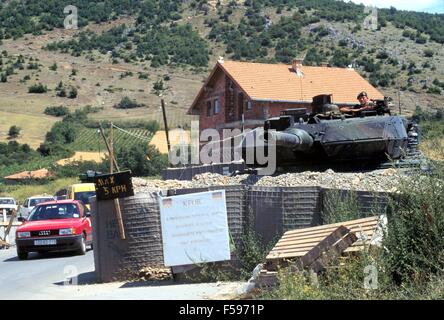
[
  {"x": 48, "y": 277},
  {"x": 42, "y": 276}
]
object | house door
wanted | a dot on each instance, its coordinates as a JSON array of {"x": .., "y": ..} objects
[{"x": 240, "y": 105}]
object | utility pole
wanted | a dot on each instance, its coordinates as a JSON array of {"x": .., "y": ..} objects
[
  {"x": 399, "y": 101},
  {"x": 165, "y": 123}
]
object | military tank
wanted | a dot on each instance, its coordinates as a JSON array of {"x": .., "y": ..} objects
[{"x": 327, "y": 138}]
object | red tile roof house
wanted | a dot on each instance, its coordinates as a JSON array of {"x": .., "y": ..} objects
[{"x": 257, "y": 91}]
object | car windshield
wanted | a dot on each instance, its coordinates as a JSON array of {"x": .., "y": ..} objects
[
  {"x": 84, "y": 196},
  {"x": 54, "y": 211},
  {"x": 36, "y": 201},
  {"x": 7, "y": 201}
]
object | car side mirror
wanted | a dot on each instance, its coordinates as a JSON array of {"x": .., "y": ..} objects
[{"x": 21, "y": 219}]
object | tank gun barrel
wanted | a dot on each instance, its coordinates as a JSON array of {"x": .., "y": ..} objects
[{"x": 295, "y": 139}]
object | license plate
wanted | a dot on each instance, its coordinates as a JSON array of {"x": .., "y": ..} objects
[{"x": 45, "y": 242}]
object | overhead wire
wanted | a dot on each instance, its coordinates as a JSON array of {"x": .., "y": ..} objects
[{"x": 143, "y": 138}]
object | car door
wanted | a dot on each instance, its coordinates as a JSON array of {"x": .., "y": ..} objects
[
  {"x": 24, "y": 210},
  {"x": 86, "y": 222}
]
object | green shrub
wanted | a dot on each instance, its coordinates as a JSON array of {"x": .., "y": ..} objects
[
  {"x": 14, "y": 132},
  {"x": 429, "y": 53},
  {"x": 57, "y": 111},
  {"x": 153, "y": 126},
  {"x": 37, "y": 88},
  {"x": 127, "y": 103},
  {"x": 252, "y": 253},
  {"x": 415, "y": 238},
  {"x": 72, "y": 93},
  {"x": 434, "y": 90}
]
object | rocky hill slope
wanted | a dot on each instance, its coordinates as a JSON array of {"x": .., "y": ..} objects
[{"x": 143, "y": 49}]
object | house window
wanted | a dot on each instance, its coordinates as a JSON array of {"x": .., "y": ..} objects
[
  {"x": 208, "y": 108},
  {"x": 249, "y": 105},
  {"x": 216, "y": 106}
]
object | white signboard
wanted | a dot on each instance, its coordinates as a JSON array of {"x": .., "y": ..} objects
[{"x": 194, "y": 228}]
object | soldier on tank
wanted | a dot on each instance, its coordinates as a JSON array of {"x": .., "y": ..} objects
[{"x": 365, "y": 104}]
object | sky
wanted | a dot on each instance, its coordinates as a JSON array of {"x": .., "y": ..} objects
[{"x": 431, "y": 6}]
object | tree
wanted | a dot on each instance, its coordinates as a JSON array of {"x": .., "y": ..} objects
[
  {"x": 53, "y": 67},
  {"x": 142, "y": 159},
  {"x": 14, "y": 132},
  {"x": 158, "y": 86}
]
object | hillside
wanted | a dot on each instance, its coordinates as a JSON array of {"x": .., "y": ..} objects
[{"x": 141, "y": 49}]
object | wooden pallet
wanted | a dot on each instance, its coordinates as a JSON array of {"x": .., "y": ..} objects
[
  {"x": 315, "y": 260},
  {"x": 297, "y": 243}
]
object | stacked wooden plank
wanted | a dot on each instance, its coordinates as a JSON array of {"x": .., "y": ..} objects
[
  {"x": 297, "y": 243},
  {"x": 315, "y": 247}
]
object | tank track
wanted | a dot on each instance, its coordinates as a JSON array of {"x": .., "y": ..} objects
[{"x": 413, "y": 158}]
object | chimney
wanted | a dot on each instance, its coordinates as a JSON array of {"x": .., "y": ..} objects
[
  {"x": 324, "y": 64},
  {"x": 297, "y": 63}
]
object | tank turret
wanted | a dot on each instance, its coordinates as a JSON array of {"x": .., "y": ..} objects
[{"x": 326, "y": 136}]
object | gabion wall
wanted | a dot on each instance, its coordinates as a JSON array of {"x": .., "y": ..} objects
[{"x": 267, "y": 211}]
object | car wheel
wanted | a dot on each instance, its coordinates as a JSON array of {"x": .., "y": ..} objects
[
  {"x": 22, "y": 255},
  {"x": 82, "y": 249}
]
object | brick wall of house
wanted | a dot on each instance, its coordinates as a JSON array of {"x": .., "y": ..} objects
[
  {"x": 233, "y": 103},
  {"x": 265, "y": 110},
  {"x": 216, "y": 89}
]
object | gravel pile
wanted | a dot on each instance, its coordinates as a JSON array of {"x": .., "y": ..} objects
[
  {"x": 143, "y": 185},
  {"x": 378, "y": 181},
  {"x": 381, "y": 180}
]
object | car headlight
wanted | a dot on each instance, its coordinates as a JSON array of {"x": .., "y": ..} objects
[
  {"x": 64, "y": 232},
  {"x": 25, "y": 234}
]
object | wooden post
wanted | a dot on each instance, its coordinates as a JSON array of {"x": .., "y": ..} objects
[
  {"x": 108, "y": 148},
  {"x": 111, "y": 149},
  {"x": 166, "y": 125},
  {"x": 11, "y": 221},
  {"x": 4, "y": 216},
  {"x": 111, "y": 169}
]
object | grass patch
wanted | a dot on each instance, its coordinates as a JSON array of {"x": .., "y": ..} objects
[{"x": 33, "y": 127}]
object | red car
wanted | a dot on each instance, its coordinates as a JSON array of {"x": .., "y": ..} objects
[{"x": 55, "y": 226}]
